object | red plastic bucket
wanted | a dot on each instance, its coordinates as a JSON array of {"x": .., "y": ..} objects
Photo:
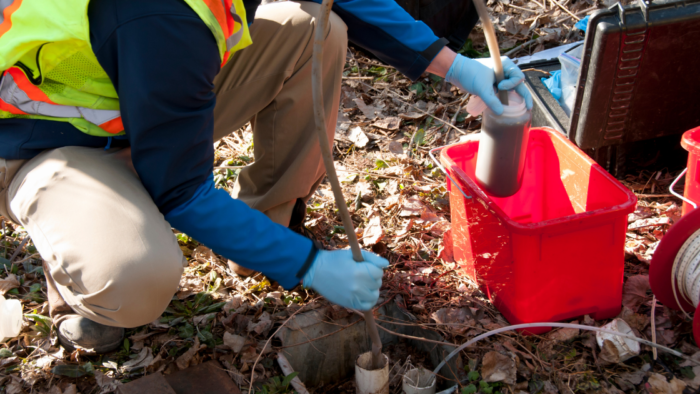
[
  {"x": 555, "y": 249},
  {"x": 691, "y": 143}
]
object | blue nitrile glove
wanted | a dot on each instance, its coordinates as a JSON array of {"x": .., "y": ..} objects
[
  {"x": 477, "y": 77},
  {"x": 343, "y": 281}
]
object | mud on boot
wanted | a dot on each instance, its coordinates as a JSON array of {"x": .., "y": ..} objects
[{"x": 82, "y": 332}]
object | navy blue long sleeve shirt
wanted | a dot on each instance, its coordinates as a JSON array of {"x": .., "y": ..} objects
[{"x": 162, "y": 60}]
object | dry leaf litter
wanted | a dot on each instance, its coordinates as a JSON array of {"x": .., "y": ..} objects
[{"x": 400, "y": 207}]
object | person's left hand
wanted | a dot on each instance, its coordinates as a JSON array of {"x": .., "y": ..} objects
[{"x": 478, "y": 78}]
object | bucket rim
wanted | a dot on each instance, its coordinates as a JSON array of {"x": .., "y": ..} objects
[
  {"x": 691, "y": 140},
  {"x": 625, "y": 207}
]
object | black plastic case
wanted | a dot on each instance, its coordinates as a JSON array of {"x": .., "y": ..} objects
[{"x": 639, "y": 79}]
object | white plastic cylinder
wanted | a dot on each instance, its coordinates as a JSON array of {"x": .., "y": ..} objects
[
  {"x": 10, "y": 318},
  {"x": 370, "y": 381},
  {"x": 418, "y": 381},
  {"x": 626, "y": 348}
]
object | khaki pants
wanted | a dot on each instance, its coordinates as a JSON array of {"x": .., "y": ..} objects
[{"x": 112, "y": 256}]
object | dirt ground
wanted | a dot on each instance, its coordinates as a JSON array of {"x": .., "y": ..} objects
[{"x": 400, "y": 207}]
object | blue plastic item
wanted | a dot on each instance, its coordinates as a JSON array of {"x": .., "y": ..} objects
[
  {"x": 553, "y": 83},
  {"x": 582, "y": 24}
]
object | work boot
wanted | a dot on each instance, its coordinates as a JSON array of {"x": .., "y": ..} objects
[
  {"x": 74, "y": 330},
  {"x": 77, "y": 331},
  {"x": 296, "y": 222}
]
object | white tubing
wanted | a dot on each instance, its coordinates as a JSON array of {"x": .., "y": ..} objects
[
  {"x": 368, "y": 380},
  {"x": 287, "y": 369},
  {"x": 418, "y": 381},
  {"x": 564, "y": 325}
]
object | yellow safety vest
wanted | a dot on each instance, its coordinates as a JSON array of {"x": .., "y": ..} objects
[{"x": 49, "y": 70}]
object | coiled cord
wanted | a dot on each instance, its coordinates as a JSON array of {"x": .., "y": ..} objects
[{"x": 685, "y": 274}]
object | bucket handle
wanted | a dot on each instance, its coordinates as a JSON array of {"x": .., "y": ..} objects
[
  {"x": 437, "y": 162},
  {"x": 673, "y": 184}
]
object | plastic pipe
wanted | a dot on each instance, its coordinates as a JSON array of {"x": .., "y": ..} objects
[
  {"x": 563, "y": 325},
  {"x": 320, "y": 120},
  {"x": 491, "y": 41}
]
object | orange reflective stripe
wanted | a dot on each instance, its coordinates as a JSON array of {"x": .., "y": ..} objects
[
  {"x": 7, "y": 11},
  {"x": 226, "y": 56},
  {"x": 11, "y": 108},
  {"x": 113, "y": 126},
  {"x": 217, "y": 8},
  {"x": 32, "y": 90},
  {"x": 229, "y": 18}
]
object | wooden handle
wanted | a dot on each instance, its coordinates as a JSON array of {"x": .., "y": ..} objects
[
  {"x": 320, "y": 120},
  {"x": 491, "y": 41}
]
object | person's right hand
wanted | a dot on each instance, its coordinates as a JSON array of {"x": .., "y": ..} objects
[
  {"x": 336, "y": 276},
  {"x": 478, "y": 78}
]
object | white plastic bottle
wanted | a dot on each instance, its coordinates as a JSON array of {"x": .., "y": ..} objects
[
  {"x": 10, "y": 318},
  {"x": 503, "y": 148}
]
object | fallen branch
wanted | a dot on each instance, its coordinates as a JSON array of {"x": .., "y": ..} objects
[
  {"x": 519, "y": 47},
  {"x": 565, "y": 9}
]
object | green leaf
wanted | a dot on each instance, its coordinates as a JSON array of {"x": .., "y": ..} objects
[
  {"x": 462, "y": 117},
  {"x": 419, "y": 139},
  {"x": 72, "y": 371},
  {"x": 418, "y": 88},
  {"x": 287, "y": 380},
  {"x": 42, "y": 323},
  {"x": 469, "y": 51},
  {"x": 35, "y": 288},
  {"x": 186, "y": 331},
  {"x": 473, "y": 375},
  {"x": 471, "y": 389},
  {"x": 211, "y": 308},
  {"x": 380, "y": 164},
  {"x": 7, "y": 353},
  {"x": 535, "y": 386},
  {"x": 127, "y": 345},
  {"x": 182, "y": 237},
  {"x": 687, "y": 372}
]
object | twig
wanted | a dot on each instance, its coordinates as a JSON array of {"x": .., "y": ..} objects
[
  {"x": 522, "y": 9},
  {"x": 398, "y": 97},
  {"x": 229, "y": 167},
  {"x": 369, "y": 78},
  {"x": 540, "y": 4},
  {"x": 322, "y": 336},
  {"x": 565, "y": 9},
  {"x": 19, "y": 248},
  {"x": 653, "y": 325},
  {"x": 252, "y": 373},
  {"x": 587, "y": 10},
  {"x": 27, "y": 258},
  {"x": 413, "y": 137},
  {"x": 287, "y": 369},
  {"x": 411, "y": 337},
  {"x": 654, "y": 195},
  {"x": 519, "y": 47}
]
